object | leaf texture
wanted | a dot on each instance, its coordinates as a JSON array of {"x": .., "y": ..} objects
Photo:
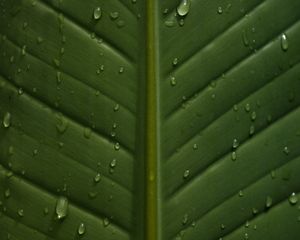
[{"x": 153, "y": 125}]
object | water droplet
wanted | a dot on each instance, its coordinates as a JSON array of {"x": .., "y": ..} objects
[
  {"x": 120, "y": 23},
  {"x": 92, "y": 195},
  {"x": 293, "y": 199},
  {"x": 247, "y": 107},
  {"x": 245, "y": 38},
  {"x": 284, "y": 42},
  {"x": 39, "y": 40},
  {"x": 58, "y": 77},
  {"x": 7, "y": 193},
  {"x": 175, "y": 62},
  {"x": 241, "y": 194},
  {"x": 195, "y": 146},
  {"x": 233, "y": 156},
  {"x": 183, "y": 8},
  {"x": 253, "y": 116},
  {"x": 116, "y": 107},
  {"x": 113, "y": 163},
  {"x": 56, "y": 62},
  {"x": 23, "y": 51},
  {"x": 223, "y": 226},
  {"x": 97, "y": 178},
  {"x": 186, "y": 174},
  {"x": 114, "y": 15},
  {"x": 81, "y": 229},
  {"x": 286, "y": 150},
  {"x": 97, "y": 13},
  {"x": 251, "y": 130},
  {"x": 62, "y": 123},
  {"x": 220, "y": 10},
  {"x": 235, "y": 143},
  {"x": 105, "y": 222},
  {"x": 254, "y": 211},
  {"x": 21, "y": 213},
  {"x": 20, "y": 91},
  {"x": 117, "y": 146},
  {"x": 169, "y": 23},
  {"x": 46, "y": 211},
  {"x": 121, "y": 69},
  {"x": 61, "y": 208},
  {"x": 87, "y": 132},
  {"x": 173, "y": 81},
  {"x": 7, "y": 120},
  {"x": 185, "y": 219},
  {"x": 269, "y": 202}
]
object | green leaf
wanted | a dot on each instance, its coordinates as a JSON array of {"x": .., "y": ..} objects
[{"x": 132, "y": 119}]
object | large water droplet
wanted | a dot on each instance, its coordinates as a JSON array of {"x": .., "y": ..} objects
[
  {"x": 184, "y": 7},
  {"x": 293, "y": 199},
  {"x": 97, "y": 13},
  {"x": 81, "y": 229},
  {"x": 284, "y": 42},
  {"x": 7, "y": 120},
  {"x": 61, "y": 207}
]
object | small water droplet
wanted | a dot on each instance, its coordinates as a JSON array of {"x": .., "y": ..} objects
[
  {"x": 7, "y": 120},
  {"x": 251, "y": 130},
  {"x": 286, "y": 150},
  {"x": 186, "y": 174},
  {"x": 61, "y": 208},
  {"x": 87, "y": 132},
  {"x": 223, "y": 226},
  {"x": 113, "y": 163},
  {"x": 175, "y": 62},
  {"x": 245, "y": 38},
  {"x": 173, "y": 81},
  {"x": 241, "y": 194},
  {"x": 269, "y": 202},
  {"x": 247, "y": 107},
  {"x": 20, "y": 91},
  {"x": 284, "y": 42},
  {"x": 120, "y": 23},
  {"x": 62, "y": 123},
  {"x": 105, "y": 222},
  {"x": 7, "y": 193},
  {"x": 254, "y": 211},
  {"x": 169, "y": 23},
  {"x": 233, "y": 156},
  {"x": 195, "y": 146},
  {"x": 97, "y": 178},
  {"x": 114, "y": 15},
  {"x": 58, "y": 77},
  {"x": 23, "y": 51},
  {"x": 81, "y": 229},
  {"x": 185, "y": 219},
  {"x": 97, "y": 13},
  {"x": 183, "y": 8},
  {"x": 117, "y": 146},
  {"x": 121, "y": 69},
  {"x": 293, "y": 199},
  {"x": 39, "y": 40},
  {"x": 46, "y": 211},
  {"x": 220, "y": 10},
  {"x": 235, "y": 143},
  {"x": 116, "y": 107},
  {"x": 253, "y": 116}
]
